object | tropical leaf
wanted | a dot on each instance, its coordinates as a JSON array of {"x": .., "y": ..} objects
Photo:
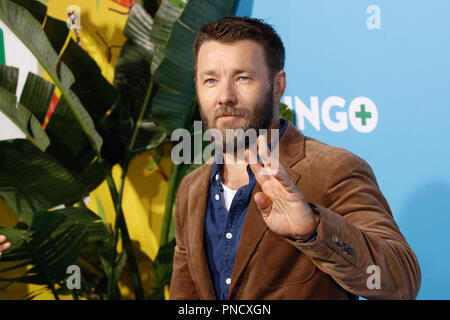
[
  {"x": 95, "y": 228},
  {"x": 8, "y": 78},
  {"x": 151, "y": 6},
  {"x": 133, "y": 78},
  {"x": 162, "y": 270},
  {"x": 285, "y": 112},
  {"x": 23, "y": 119},
  {"x": 132, "y": 74},
  {"x": 25, "y": 18},
  {"x": 22, "y": 115},
  {"x": 53, "y": 242},
  {"x": 37, "y": 95},
  {"x": 36, "y": 177},
  {"x": 48, "y": 247},
  {"x": 70, "y": 147}
]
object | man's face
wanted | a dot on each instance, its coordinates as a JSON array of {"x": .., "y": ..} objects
[{"x": 233, "y": 86}]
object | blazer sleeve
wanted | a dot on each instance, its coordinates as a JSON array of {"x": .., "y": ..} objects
[
  {"x": 358, "y": 242},
  {"x": 182, "y": 287}
]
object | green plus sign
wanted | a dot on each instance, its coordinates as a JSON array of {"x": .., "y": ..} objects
[
  {"x": 363, "y": 114},
  {"x": 2, "y": 48}
]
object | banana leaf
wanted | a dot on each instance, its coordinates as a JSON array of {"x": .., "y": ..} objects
[
  {"x": 48, "y": 247},
  {"x": 23, "y": 119},
  {"x": 25, "y": 19},
  {"x": 8, "y": 78},
  {"x": 34, "y": 179},
  {"x": 133, "y": 79},
  {"x": 53, "y": 242},
  {"x": 37, "y": 95}
]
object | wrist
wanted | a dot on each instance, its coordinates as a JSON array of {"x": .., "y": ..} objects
[{"x": 312, "y": 235}]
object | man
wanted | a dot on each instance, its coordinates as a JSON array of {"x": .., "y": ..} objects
[{"x": 318, "y": 227}]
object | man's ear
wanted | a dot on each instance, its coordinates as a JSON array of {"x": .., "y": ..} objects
[{"x": 279, "y": 85}]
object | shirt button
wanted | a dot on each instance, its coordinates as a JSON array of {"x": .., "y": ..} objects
[
  {"x": 217, "y": 197},
  {"x": 217, "y": 176},
  {"x": 229, "y": 235},
  {"x": 228, "y": 281}
]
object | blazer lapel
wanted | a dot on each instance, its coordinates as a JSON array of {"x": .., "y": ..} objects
[
  {"x": 292, "y": 147},
  {"x": 197, "y": 207}
]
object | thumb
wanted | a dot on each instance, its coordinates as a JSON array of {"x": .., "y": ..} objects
[{"x": 264, "y": 203}]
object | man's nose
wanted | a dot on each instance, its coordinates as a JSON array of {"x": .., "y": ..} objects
[{"x": 227, "y": 95}]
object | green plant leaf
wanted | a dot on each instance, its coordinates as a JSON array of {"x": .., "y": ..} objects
[
  {"x": 138, "y": 29},
  {"x": 286, "y": 113},
  {"x": 94, "y": 92},
  {"x": 70, "y": 147},
  {"x": 37, "y": 95},
  {"x": 20, "y": 17},
  {"x": 23, "y": 119},
  {"x": 8, "y": 78},
  {"x": 150, "y": 136},
  {"x": 53, "y": 242},
  {"x": 17, "y": 202},
  {"x": 171, "y": 110},
  {"x": 151, "y": 6},
  {"x": 162, "y": 270},
  {"x": 36, "y": 176},
  {"x": 95, "y": 228},
  {"x": 16, "y": 237}
]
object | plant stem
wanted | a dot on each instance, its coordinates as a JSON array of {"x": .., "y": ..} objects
[
  {"x": 169, "y": 203},
  {"x": 120, "y": 221},
  {"x": 126, "y": 241},
  {"x": 141, "y": 117}
]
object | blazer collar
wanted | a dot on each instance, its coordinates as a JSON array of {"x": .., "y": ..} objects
[{"x": 291, "y": 151}]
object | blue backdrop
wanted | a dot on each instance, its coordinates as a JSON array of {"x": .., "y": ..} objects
[{"x": 374, "y": 77}]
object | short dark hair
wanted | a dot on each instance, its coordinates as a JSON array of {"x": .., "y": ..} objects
[{"x": 231, "y": 29}]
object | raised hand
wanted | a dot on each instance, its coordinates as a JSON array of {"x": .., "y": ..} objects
[
  {"x": 4, "y": 244},
  {"x": 282, "y": 205}
]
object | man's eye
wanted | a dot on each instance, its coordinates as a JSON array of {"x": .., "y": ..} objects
[
  {"x": 210, "y": 81},
  {"x": 244, "y": 78}
]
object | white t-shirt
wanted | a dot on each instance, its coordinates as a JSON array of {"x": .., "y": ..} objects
[{"x": 228, "y": 195}]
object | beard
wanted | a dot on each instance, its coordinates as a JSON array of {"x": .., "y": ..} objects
[{"x": 259, "y": 118}]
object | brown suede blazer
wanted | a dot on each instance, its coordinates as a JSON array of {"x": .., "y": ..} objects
[{"x": 356, "y": 231}]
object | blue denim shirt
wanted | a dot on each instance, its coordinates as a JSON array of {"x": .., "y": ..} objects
[{"x": 223, "y": 228}]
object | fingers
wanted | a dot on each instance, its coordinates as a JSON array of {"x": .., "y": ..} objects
[
  {"x": 2, "y": 238},
  {"x": 282, "y": 177},
  {"x": 264, "y": 203},
  {"x": 4, "y": 246},
  {"x": 263, "y": 150},
  {"x": 255, "y": 166}
]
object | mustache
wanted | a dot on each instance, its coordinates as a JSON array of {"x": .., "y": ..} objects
[{"x": 230, "y": 111}]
